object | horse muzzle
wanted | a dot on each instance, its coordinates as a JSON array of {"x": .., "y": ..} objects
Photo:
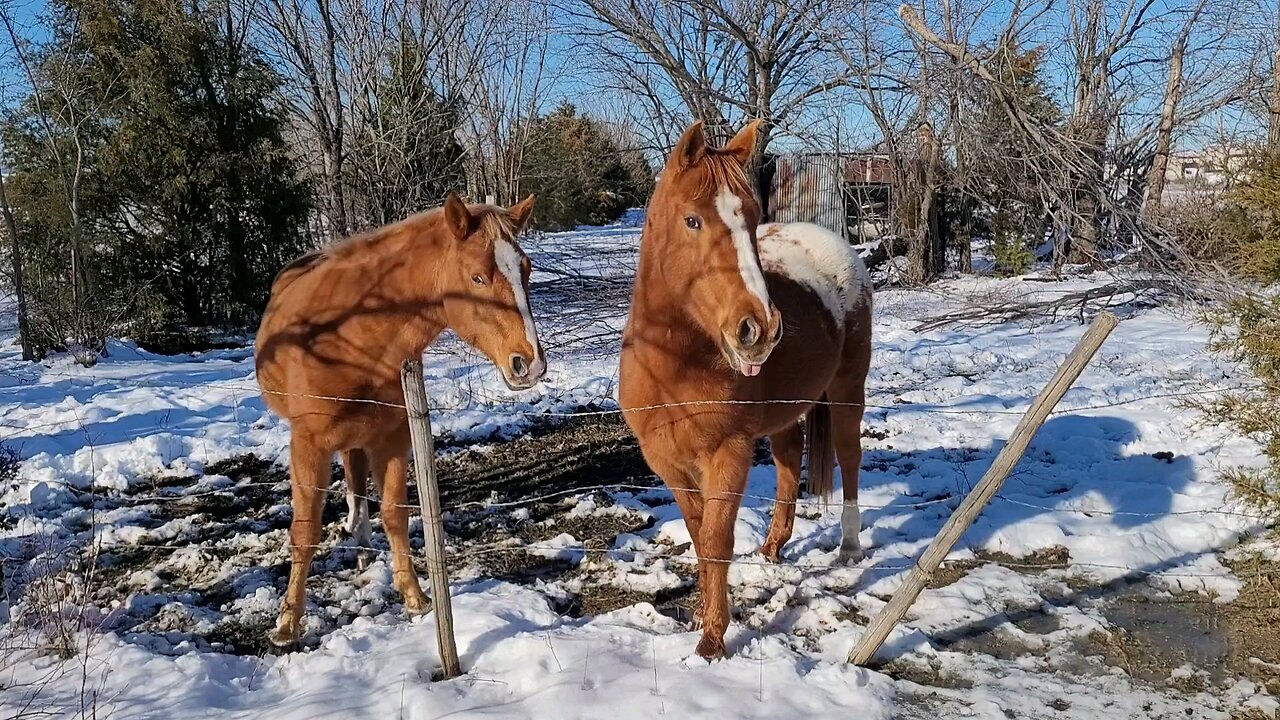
[
  {"x": 748, "y": 345},
  {"x": 521, "y": 373}
]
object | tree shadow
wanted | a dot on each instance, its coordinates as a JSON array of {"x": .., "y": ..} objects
[
  {"x": 1079, "y": 477},
  {"x": 1075, "y": 464}
]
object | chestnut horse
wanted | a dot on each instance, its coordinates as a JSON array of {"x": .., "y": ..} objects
[
  {"x": 340, "y": 323},
  {"x": 726, "y": 316}
]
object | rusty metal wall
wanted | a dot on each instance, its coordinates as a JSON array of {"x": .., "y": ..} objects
[{"x": 809, "y": 188}]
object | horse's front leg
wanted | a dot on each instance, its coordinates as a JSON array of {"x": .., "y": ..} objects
[
  {"x": 724, "y": 478},
  {"x": 309, "y": 471},
  {"x": 684, "y": 487}
]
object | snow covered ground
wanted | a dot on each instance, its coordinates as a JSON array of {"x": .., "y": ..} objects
[{"x": 140, "y": 456}]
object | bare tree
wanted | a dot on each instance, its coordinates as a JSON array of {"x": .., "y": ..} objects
[
  {"x": 1168, "y": 115},
  {"x": 715, "y": 60},
  {"x": 15, "y": 274},
  {"x": 505, "y": 68},
  {"x": 303, "y": 36},
  {"x": 63, "y": 106},
  {"x": 1273, "y": 117}
]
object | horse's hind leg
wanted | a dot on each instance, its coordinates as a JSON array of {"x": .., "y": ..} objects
[
  {"x": 309, "y": 467},
  {"x": 788, "y": 450},
  {"x": 355, "y": 465},
  {"x": 848, "y": 393},
  {"x": 389, "y": 469}
]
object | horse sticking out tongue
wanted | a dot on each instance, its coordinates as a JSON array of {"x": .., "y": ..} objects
[{"x": 750, "y": 369}]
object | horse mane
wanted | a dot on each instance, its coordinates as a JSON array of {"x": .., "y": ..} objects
[
  {"x": 495, "y": 222},
  {"x": 717, "y": 169}
]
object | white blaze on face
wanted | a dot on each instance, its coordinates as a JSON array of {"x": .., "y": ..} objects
[
  {"x": 507, "y": 258},
  {"x": 729, "y": 206}
]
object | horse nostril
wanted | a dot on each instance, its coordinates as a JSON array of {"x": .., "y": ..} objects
[
  {"x": 519, "y": 366},
  {"x": 748, "y": 332}
]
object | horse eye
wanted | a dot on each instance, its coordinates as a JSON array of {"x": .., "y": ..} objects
[
  {"x": 477, "y": 279},
  {"x": 692, "y": 222}
]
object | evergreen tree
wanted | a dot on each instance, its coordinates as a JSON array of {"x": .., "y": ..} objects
[
  {"x": 1006, "y": 197},
  {"x": 1241, "y": 233},
  {"x": 193, "y": 201},
  {"x": 579, "y": 173}
]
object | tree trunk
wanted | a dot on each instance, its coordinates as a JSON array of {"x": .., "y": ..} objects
[
  {"x": 334, "y": 196},
  {"x": 757, "y": 162},
  {"x": 1087, "y": 182},
  {"x": 19, "y": 289},
  {"x": 960, "y": 183},
  {"x": 1273, "y": 119},
  {"x": 1164, "y": 133},
  {"x": 925, "y": 260}
]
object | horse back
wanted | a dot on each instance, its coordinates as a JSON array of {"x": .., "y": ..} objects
[{"x": 296, "y": 268}]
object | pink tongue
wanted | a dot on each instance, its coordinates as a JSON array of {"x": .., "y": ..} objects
[{"x": 750, "y": 369}]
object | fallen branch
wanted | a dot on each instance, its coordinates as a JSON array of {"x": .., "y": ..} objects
[{"x": 1078, "y": 303}]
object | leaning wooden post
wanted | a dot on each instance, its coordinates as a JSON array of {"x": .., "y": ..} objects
[
  {"x": 424, "y": 471},
  {"x": 986, "y": 488}
]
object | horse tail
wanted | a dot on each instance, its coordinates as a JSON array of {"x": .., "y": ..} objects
[{"x": 819, "y": 449}]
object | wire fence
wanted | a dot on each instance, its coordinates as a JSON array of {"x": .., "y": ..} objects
[
  {"x": 467, "y": 552},
  {"x": 570, "y": 397}
]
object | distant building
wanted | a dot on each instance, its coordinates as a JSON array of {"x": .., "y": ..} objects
[
  {"x": 848, "y": 193},
  {"x": 1210, "y": 166}
]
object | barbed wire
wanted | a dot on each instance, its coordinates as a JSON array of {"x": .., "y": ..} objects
[
  {"x": 520, "y": 408},
  {"x": 555, "y": 402},
  {"x": 627, "y": 485},
  {"x": 468, "y": 552}
]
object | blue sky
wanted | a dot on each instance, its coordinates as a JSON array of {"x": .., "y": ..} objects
[{"x": 574, "y": 83}]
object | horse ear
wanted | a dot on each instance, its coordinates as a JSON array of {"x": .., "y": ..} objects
[
  {"x": 521, "y": 211},
  {"x": 690, "y": 147},
  {"x": 743, "y": 145},
  {"x": 457, "y": 217}
]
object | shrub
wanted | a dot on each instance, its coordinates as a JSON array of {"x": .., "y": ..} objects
[{"x": 1244, "y": 238}]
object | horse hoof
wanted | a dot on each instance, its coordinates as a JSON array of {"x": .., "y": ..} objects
[
  {"x": 851, "y": 556},
  {"x": 363, "y": 559},
  {"x": 771, "y": 552},
  {"x": 710, "y": 648},
  {"x": 416, "y": 603},
  {"x": 284, "y": 636}
]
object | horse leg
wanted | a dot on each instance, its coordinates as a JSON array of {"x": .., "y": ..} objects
[
  {"x": 355, "y": 465},
  {"x": 310, "y": 475},
  {"x": 389, "y": 466},
  {"x": 725, "y": 477},
  {"x": 849, "y": 396},
  {"x": 685, "y": 489},
  {"x": 847, "y": 436},
  {"x": 788, "y": 450}
]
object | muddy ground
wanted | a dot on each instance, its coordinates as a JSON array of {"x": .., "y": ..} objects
[{"x": 198, "y": 597}]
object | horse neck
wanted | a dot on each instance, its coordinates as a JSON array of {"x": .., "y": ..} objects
[{"x": 417, "y": 258}]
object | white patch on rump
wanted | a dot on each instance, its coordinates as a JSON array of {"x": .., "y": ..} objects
[
  {"x": 819, "y": 260},
  {"x": 508, "y": 260},
  {"x": 729, "y": 206}
]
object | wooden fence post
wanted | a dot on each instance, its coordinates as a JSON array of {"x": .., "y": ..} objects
[
  {"x": 982, "y": 493},
  {"x": 424, "y": 471}
]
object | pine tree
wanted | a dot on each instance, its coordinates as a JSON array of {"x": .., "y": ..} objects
[
  {"x": 579, "y": 173},
  {"x": 1006, "y": 196},
  {"x": 192, "y": 199}
]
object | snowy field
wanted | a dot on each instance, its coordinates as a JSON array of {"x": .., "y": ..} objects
[{"x": 135, "y": 498}]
